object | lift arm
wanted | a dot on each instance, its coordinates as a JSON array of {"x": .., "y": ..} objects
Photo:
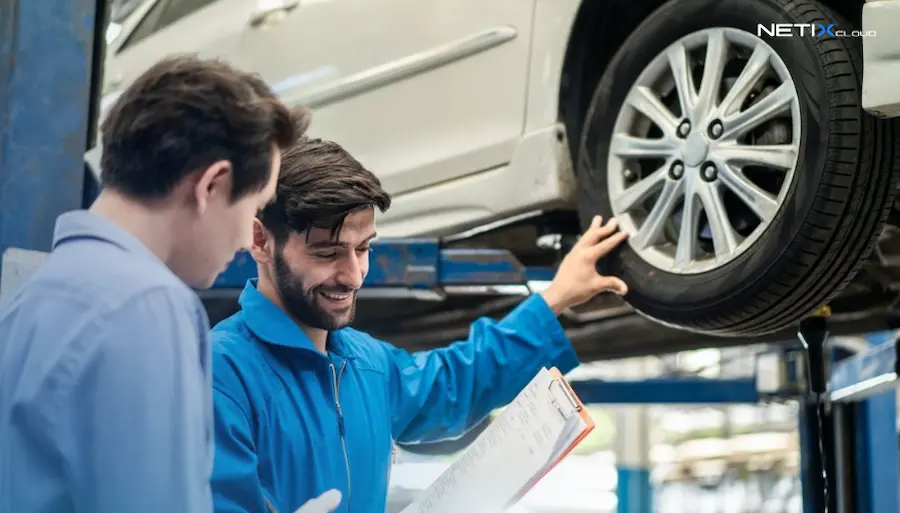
[
  {"x": 866, "y": 374},
  {"x": 420, "y": 264}
]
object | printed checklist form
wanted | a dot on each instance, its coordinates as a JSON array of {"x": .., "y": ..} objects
[{"x": 537, "y": 430}]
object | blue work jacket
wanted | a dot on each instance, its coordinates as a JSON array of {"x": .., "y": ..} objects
[{"x": 292, "y": 422}]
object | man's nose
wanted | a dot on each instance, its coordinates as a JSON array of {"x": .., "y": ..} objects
[{"x": 352, "y": 274}]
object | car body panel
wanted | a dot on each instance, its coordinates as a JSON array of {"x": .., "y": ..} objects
[
  {"x": 133, "y": 54},
  {"x": 434, "y": 97},
  {"x": 551, "y": 35},
  {"x": 881, "y": 64},
  {"x": 422, "y": 92}
]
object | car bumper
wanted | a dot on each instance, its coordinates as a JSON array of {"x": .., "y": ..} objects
[{"x": 881, "y": 58}]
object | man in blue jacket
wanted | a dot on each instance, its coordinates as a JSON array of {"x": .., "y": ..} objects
[{"x": 304, "y": 404}]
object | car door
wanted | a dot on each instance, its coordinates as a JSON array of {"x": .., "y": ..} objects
[
  {"x": 159, "y": 28},
  {"x": 422, "y": 92}
]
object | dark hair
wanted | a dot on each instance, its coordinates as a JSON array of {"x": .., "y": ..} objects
[
  {"x": 184, "y": 114},
  {"x": 319, "y": 185}
]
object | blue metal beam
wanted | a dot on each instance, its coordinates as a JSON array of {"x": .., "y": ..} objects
[
  {"x": 46, "y": 50},
  {"x": 668, "y": 391},
  {"x": 410, "y": 264},
  {"x": 865, "y": 374},
  {"x": 420, "y": 264}
]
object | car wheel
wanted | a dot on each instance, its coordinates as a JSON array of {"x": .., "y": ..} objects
[{"x": 744, "y": 169}]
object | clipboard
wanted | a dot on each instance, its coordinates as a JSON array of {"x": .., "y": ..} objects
[{"x": 539, "y": 428}]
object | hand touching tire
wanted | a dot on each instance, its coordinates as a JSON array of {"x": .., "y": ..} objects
[{"x": 577, "y": 279}]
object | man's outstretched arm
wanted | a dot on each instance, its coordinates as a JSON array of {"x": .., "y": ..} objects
[{"x": 441, "y": 393}]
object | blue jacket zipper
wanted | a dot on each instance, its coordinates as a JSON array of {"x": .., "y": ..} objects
[{"x": 336, "y": 375}]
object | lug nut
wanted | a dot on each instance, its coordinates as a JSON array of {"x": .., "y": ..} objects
[
  {"x": 630, "y": 175},
  {"x": 684, "y": 129},
  {"x": 716, "y": 129},
  {"x": 709, "y": 173},
  {"x": 676, "y": 171}
]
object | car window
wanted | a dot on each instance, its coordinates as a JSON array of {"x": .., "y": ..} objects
[{"x": 163, "y": 14}]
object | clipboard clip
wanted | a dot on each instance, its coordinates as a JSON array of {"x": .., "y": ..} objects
[{"x": 563, "y": 398}]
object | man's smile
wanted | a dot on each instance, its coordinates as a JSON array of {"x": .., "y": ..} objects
[{"x": 337, "y": 299}]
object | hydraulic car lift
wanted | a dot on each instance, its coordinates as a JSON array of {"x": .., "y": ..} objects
[{"x": 50, "y": 55}]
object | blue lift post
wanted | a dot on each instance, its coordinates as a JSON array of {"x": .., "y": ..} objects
[
  {"x": 46, "y": 62},
  {"x": 865, "y": 386}
]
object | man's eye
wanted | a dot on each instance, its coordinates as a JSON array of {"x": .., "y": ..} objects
[
  {"x": 364, "y": 250},
  {"x": 326, "y": 256}
]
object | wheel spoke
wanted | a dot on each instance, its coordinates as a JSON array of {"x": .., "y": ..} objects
[
  {"x": 689, "y": 219},
  {"x": 773, "y": 104},
  {"x": 713, "y": 70},
  {"x": 646, "y": 102},
  {"x": 652, "y": 229},
  {"x": 686, "y": 250},
  {"x": 640, "y": 191},
  {"x": 777, "y": 156},
  {"x": 765, "y": 205},
  {"x": 684, "y": 82},
  {"x": 753, "y": 70},
  {"x": 723, "y": 235},
  {"x": 626, "y": 146}
]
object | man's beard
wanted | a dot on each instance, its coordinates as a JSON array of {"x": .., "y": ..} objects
[{"x": 303, "y": 305}]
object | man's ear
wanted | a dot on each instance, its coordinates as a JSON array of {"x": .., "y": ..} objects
[
  {"x": 263, "y": 247},
  {"x": 213, "y": 183}
]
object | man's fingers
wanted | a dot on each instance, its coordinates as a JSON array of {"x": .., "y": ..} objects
[
  {"x": 585, "y": 240},
  {"x": 606, "y": 245},
  {"x": 598, "y": 231},
  {"x": 325, "y": 503},
  {"x": 612, "y": 284}
]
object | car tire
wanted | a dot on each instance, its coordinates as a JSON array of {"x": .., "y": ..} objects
[{"x": 842, "y": 187}]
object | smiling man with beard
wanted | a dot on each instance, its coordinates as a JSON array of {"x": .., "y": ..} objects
[{"x": 303, "y": 403}]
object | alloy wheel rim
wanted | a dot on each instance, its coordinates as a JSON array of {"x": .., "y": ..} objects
[{"x": 704, "y": 150}]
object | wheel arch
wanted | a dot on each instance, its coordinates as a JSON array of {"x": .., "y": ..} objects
[{"x": 600, "y": 27}]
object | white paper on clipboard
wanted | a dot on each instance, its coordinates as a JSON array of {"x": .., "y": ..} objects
[{"x": 525, "y": 441}]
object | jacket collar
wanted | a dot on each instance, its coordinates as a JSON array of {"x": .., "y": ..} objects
[{"x": 274, "y": 326}]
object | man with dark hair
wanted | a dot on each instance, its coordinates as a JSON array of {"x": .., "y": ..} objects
[
  {"x": 105, "y": 397},
  {"x": 304, "y": 403}
]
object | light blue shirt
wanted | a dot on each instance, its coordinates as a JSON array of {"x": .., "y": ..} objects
[{"x": 105, "y": 382}]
